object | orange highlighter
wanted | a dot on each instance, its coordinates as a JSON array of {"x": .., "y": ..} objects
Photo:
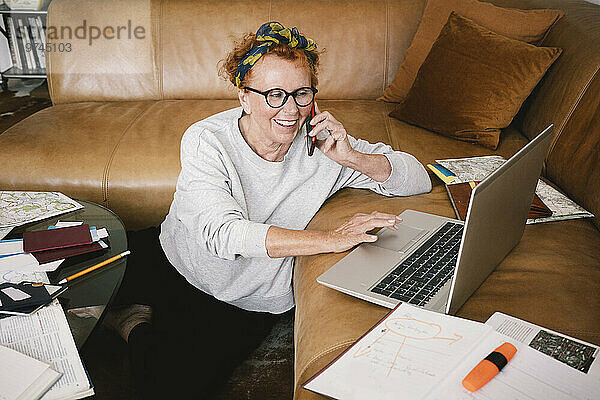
[{"x": 489, "y": 367}]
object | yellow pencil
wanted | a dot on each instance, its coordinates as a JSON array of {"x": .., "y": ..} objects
[{"x": 90, "y": 269}]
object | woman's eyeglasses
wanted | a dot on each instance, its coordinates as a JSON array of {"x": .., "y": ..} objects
[{"x": 278, "y": 97}]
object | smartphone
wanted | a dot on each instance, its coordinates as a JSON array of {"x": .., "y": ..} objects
[{"x": 311, "y": 141}]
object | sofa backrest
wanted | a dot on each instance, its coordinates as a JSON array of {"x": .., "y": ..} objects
[
  {"x": 569, "y": 97},
  {"x": 186, "y": 38}
]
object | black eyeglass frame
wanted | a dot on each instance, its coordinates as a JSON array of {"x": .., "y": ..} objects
[{"x": 287, "y": 95}]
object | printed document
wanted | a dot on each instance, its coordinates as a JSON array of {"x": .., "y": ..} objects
[
  {"x": 575, "y": 353},
  {"x": 23, "y": 377},
  {"x": 413, "y": 353},
  {"x": 46, "y": 336}
]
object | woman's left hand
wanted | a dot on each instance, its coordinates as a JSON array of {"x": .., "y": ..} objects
[{"x": 336, "y": 146}]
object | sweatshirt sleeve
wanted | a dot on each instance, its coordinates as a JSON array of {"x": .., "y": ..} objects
[
  {"x": 205, "y": 203},
  {"x": 408, "y": 176}
]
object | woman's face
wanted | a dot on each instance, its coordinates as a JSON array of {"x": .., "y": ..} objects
[{"x": 275, "y": 125}]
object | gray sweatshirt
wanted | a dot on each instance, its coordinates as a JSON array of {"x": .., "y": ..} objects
[{"x": 227, "y": 197}]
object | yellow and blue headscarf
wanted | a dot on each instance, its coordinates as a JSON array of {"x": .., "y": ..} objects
[{"x": 272, "y": 33}]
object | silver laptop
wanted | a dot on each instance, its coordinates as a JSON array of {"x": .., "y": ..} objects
[{"x": 437, "y": 262}]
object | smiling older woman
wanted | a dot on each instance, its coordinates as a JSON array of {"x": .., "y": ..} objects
[{"x": 248, "y": 189}]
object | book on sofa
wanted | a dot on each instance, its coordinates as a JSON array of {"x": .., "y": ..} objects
[
  {"x": 414, "y": 353},
  {"x": 460, "y": 195},
  {"x": 477, "y": 168}
]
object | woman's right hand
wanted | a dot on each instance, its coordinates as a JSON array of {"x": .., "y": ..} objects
[{"x": 354, "y": 231}]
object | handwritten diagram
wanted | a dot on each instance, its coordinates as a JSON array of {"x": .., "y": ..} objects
[
  {"x": 397, "y": 331},
  {"x": 13, "y": 276},
  {"x": 405, "y": 355}
]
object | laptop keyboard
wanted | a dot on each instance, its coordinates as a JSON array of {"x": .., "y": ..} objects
[{"x": 418, "y": 278}]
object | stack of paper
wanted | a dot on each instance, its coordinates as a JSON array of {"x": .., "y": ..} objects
[
  {"x": 46, "y": 336},
  {"x": 23, "y": 377}
]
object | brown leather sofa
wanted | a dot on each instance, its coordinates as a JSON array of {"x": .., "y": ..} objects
[{"x": 120, "y": 107}]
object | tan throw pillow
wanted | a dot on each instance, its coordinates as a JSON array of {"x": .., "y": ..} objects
[
  {"x": 525, "y": 25},
  {"x": 473, "y": 82}
]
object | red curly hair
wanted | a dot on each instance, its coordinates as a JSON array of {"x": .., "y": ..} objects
[{"x": 228, "y": 66}]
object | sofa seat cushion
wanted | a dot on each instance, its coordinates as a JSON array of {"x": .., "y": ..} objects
[
  {"x": 551, "y": 259},
  {"x": 64, "y": 148},
  {"x": 123, "y": 155}
]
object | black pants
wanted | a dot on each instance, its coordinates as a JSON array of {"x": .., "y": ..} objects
[{"x": 194, "y": 341}]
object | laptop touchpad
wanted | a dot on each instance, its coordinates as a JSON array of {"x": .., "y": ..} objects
[{"x": 400, "y": 240}]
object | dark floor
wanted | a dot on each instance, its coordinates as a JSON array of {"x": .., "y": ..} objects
[
  {"x": 267, "y": 374},
  {"x": 24, "y": 97}
]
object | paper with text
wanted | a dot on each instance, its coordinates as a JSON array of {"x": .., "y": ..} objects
[
  {"x": 575, "y": 353},
  {"x": 529, "y": 375},
  {"x": 413, "y": 353},
  {"x": 21, "y": 375},
  {"x": 46, "y": 336}
]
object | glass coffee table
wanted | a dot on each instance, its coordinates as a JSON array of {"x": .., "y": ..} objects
[{"x": 97, "y": 288}]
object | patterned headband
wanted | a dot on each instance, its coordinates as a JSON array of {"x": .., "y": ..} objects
[{"x": 272, "y": 33}]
